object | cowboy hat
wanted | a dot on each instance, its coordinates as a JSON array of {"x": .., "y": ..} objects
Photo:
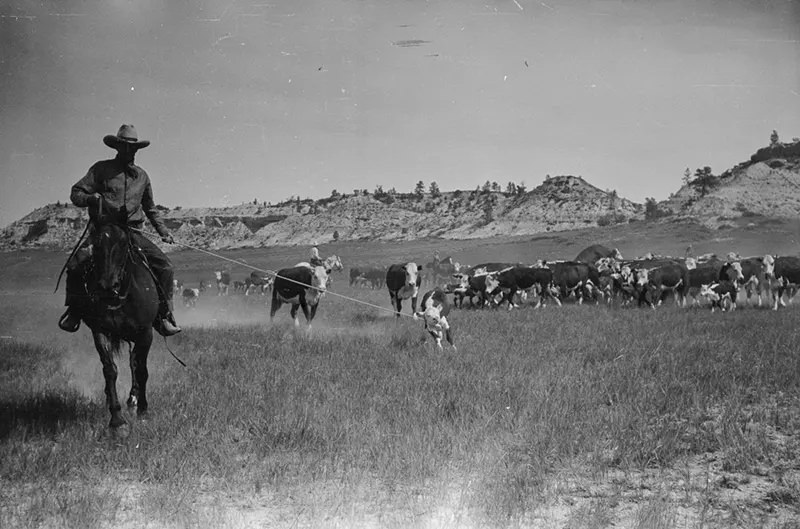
[{"x": 126, "y": 135}]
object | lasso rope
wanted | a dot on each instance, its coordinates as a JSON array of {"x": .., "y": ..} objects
[{"x": 274, "y": 274}]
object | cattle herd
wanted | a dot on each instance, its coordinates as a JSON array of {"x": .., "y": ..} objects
[{"x": 597, "y": 274}]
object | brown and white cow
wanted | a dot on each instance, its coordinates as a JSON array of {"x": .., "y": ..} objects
[
  {"x": 468, "y": 286},
  {"x": 403, "y": 282},
  {"x": 655, "y": 279},
  {"x": 434, "y": 311},
  {"x": 721, "y": 295},
  {"x": 300, "y": 286},
  {"x": 783, "y": 276},
  {"x": 521, "y": 278}
]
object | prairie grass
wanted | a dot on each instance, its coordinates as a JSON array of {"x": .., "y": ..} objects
[{"x": 362, "y": 422}]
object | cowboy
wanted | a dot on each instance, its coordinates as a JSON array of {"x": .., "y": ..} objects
[
  {"x": 315, "y": 259},
  {"x": 118, "y": 190}
]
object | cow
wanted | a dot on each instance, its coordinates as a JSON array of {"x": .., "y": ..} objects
[
  {"x": 239, "y": 286},
  {"x": 595, "y": 252},
  {"x": 301, "y": 286},
  {"x": 470, "y": 287},
  {"x": 189, "y": 297},
  {"x": 575, "y": 277},
  {"x": 754, "y": 281},
  {"x": 442, "y": 270},
  {"x": 403, "y": 282},
  {"x": 434, "y": 311},
  {"x": 721, "y": 295},
  {"x": 356, "y": 276},
  {"x": 177, "y": 288},
  {"x": 702, "y": 273},
  {"x": 257, "y": 282},
  {"x": 487, "y": 268},
  {"x": 521, "y": 278},
  {"x": 375, "y": 276},
  {"x": 655, "y": 280},
  {"x": 783, "y": 276},
  {"x": 223, "y": 281}
]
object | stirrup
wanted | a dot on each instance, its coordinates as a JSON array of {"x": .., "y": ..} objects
[{"x": 69, "y": 321}]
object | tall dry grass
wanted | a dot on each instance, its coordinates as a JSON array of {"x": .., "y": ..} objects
[{"x": 362, "y": 420}]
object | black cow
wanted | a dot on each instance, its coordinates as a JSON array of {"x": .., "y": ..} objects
[
  {"x": 522, "y": 278},
  {"x": 403, "y": 281},
  {"x": 657, "y": 279},
  {"x": 595, "y": 252},
  {"x": 703, "y": 273},
  {"x": 302, "y": 286},
  {"x": 435, "y": 309},
  {"x": 575, "y": 277}
]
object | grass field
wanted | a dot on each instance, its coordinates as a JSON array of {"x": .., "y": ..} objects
[{"x": 571, "y": 417}]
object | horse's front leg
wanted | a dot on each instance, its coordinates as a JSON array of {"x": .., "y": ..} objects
[
  {"x": 138, "y": 395},
  {"x": 107, "y": 349}
]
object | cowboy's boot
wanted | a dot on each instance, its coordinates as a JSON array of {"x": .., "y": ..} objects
[
  {"x": 70, "y": 321},
  {"x": 165, "y": 322}
]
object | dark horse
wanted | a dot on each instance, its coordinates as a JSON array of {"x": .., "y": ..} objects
[{"x": 124, "y": 304}]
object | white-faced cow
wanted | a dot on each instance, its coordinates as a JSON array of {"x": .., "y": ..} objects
[
  {"x": 223, "y": 278},
  {"x": 521, "y": 278},
  {"x": 301, "y": 286},
  {"x": 721, "y": 295},
  {"x": 190, "y": 296},
  {"x": 470, "y": 287},
  {"x": 403, "y": 282},
  {"x": 783, "y": 274},
  {"x": 434, "y": 311},
  {"x": 655, "y": 279}
]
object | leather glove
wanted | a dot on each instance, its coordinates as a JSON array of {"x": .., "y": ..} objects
[{"x": 168, "y": 238}]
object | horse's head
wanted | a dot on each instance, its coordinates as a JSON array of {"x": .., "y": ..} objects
[
  {"x": 334, "y": 263},
  {"x": 111, "y": 247}
]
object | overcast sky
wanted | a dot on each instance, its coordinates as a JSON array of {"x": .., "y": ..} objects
[{"x": 268, "y": 99}]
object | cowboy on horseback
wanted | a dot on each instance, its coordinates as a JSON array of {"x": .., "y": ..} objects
[
  {"x": 117, "y": 191},
  {"x": 314, "y": 257}
]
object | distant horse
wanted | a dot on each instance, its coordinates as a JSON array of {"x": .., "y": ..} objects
[{"x": 125, "y": 304}]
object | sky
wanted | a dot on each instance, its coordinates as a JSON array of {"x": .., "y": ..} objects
[{"x": 270, "y": 99}]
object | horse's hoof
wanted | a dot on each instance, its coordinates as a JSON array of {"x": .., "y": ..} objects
[{"x": 142, "y": 415}]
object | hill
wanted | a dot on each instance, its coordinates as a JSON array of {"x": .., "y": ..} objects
[{"x": 767, "y": 185}]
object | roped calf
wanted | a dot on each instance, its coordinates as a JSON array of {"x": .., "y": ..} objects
[
  {"x": 435, "y": 309},
  {"x": 403, "y": 282},
  {"x": 301, "y": 286}
]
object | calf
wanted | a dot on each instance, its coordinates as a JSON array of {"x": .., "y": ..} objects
[
  {"x": 720, "y": 294},
  {"x": 435, "y": 309},
  {"x": 403, "y": 282},
  {"x": 189, "y": 296},
  {"x": 470, "y": 287},
  {"x": 301, "y": 286},
  {"x": 223, "y": 281}
]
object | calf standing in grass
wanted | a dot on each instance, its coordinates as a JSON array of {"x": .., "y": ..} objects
[
  {"x": 435, "y": 309},
  {"x": 301, "y": 286},
  {"x": 721, "y": 295}
]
